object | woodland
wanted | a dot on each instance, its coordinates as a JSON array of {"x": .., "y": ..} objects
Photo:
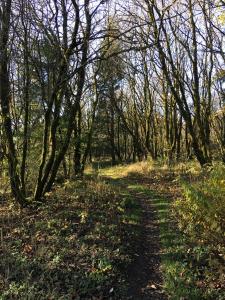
[{"x": 112, "y": 149}]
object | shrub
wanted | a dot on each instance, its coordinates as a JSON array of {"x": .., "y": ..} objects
[{"x": 201, "y": 218}]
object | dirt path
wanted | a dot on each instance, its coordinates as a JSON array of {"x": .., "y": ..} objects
[{"x": 144, "y": 275}]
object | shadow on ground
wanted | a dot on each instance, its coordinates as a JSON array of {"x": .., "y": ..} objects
[{"x": 144, "y": 275}]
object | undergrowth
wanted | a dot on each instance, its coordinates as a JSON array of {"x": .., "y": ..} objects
[
  {"x": 72, "y": 247},
  {"x": 192, "y": 236},
  {"x": 78, "y": 244},
  {"x": 200, "y": 217}
]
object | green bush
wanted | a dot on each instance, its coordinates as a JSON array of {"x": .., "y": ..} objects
[
  {"x": 201, "y": 213},
  {"x": 201, "y": 218}
]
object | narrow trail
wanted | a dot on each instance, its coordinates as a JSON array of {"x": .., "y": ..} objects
[{"x": 144, "y": 275}]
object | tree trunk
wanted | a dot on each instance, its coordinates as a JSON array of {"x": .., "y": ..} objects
[
  {"x": 77, "y": 148},
  {"x": 5, "y": 104}
]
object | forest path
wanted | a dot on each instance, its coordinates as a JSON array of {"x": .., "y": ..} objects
[{"x": 144, "y": 276}]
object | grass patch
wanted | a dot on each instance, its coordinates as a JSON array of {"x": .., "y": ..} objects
[
  {"x": 178, "y": 278},
  {"x": 105, "y": 169}
]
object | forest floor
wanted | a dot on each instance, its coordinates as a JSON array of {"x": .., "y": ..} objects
[{"x": 111, "y": 235}]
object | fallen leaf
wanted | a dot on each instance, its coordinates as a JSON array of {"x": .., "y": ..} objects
[{"x": 153, "y": 287}]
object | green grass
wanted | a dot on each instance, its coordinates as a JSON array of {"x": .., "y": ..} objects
[{"x": 178, "y": 279}]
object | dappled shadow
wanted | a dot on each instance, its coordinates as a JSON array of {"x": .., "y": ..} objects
[
  {"x": 143, "y": 274},
  {"x": 70, "y": 248}
]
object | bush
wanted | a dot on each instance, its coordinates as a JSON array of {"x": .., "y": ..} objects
[
  {"x": 202, "y": 212},
  {"x": 201, "y": 218}
]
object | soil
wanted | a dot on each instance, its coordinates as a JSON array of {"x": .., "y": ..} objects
[{"x": 144, "y": 275}]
